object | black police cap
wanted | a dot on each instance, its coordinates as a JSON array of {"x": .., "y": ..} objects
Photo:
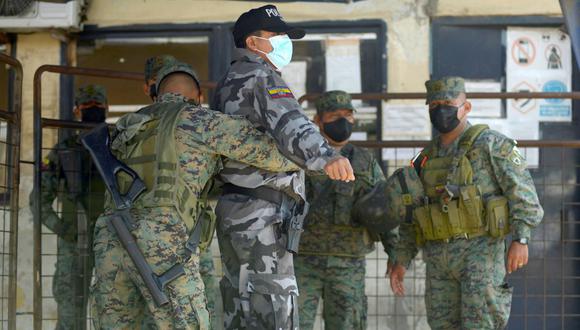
[{"x": 265, "y": 18}]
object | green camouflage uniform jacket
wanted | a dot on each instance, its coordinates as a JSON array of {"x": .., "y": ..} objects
[
  {"x": 498, "y": 169},
  {"x": 329, "y": 227},
  {"x": 202, "y": 137}
]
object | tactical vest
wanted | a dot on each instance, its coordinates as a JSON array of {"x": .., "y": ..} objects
[
  {"x": 454, "y": 205},
  {"x": 145, "y": 141},
  {"x": 82, "y": 183},
  {"x": 330, "y": 229}
]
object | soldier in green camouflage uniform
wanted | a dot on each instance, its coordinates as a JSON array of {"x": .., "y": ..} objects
[
  {"x": 331, "y": 263},
  {"x": 476, "y": 190},
  {"x": 206, "y": 266},
  {"x": 176, "y": 147},
  {"x": 82, "y": 197},
  {"x": 152, "y": 67}
]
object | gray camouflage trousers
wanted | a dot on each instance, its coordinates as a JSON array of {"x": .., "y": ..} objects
[{"x": 259, "y": 289}]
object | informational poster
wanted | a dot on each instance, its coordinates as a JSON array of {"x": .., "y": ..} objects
[
  {"x": 538, "y": 60},
  {"x": 343, "y": 71},
  {"x": 405, "y": 121},
  {"x": 294, "y": 74},
  {"x": 484, "y": 108}
]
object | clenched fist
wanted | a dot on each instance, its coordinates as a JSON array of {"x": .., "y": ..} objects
[{"x": 340, "y": 169}]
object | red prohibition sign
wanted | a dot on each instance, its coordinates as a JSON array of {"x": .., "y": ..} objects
[{"x": 523, "y": 51}]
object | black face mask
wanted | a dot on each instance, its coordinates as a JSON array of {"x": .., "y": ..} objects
[
  {"x": 338, "y": 130},
  {"x": 93, "y": 115},
  {"x": 444, "y": 117}
]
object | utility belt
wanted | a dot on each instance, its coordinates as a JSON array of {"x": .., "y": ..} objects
[
  {"x": 266, "y": 193},
  {"x": 292, "y": 224},
  {"x": 463, "y": 214}
]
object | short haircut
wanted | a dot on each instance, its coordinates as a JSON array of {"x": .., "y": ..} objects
[
  {"x": 241, "y": 43},
  {"x": 178, "y": 78}
]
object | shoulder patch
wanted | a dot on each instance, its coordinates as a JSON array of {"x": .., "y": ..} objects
[
  {"x": 280, "y": 92},
  {"x": 516, "y": 157},
  {"x": 506, "y": 147}
]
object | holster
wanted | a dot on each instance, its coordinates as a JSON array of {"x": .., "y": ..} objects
[{"x": 294, "y": 223}]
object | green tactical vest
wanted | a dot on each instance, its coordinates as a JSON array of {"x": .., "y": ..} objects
[
  {"x": 88, "y": 188},
  {"x": 145, "y": 141},
  {"x": 454, "y": 205},
  {"x": 329, "y": 226}
]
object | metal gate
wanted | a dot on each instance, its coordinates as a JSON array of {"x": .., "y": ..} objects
[
  {"x": 547, "y": 291},
  {"x": 9, "y": 185},
  {"x": 48, "y": 248},
  {"x": 54, "y": 254}
]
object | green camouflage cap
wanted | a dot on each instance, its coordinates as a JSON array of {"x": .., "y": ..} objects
[
  {"x": 174, "y": 68},
  {"x": 91, "y": 93},
  {"x": 156, "y": 63},
  {"x": 446, "y": 88},
  {"x": 333, "y": 100}
]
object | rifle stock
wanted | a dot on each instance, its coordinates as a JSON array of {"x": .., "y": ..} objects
[{"x": 97, "y": 142}]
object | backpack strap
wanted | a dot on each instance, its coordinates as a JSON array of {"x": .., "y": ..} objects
[{"x": 407, "y": 198}]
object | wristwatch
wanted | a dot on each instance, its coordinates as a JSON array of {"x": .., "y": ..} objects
[{"x": 523, "y": 241}]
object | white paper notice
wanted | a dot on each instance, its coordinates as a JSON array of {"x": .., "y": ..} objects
[
  {"x": 527, "y": 130},
  {"x": 486, "y": 108},
  {"x": 404, "y": 122},
  {"x": 358, "y": 136},
  {"x": 343, "y": 70},
  {"x": 294, "y": 74},
  {"x": 538, "y": 60},
  {"x": 500, "y": 125}
]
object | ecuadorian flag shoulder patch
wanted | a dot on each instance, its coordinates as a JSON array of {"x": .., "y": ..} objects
[{"x": 280, "y": 92}]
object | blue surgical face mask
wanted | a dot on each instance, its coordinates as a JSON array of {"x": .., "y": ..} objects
[{"x": 281, "y": 53}]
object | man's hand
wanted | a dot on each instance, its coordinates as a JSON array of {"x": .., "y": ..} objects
[
  {"x": 339, "y": 169},
  {"x": 517, "y": 257},
  {"x": 397, "y": 275}
]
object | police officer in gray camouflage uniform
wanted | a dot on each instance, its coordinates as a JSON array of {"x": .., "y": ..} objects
[{"x": 260, "y": 212}]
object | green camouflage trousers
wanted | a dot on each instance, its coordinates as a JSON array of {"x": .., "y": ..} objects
[
  {"x": 69, "y": 288},
  {"x": 340, "y": 282},
  {"x": 119, "y": 297},
  {"x": 212, "y": 292},
  {"x": 465, "y": 286}
]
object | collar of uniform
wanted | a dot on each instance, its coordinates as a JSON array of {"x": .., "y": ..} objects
[
  {"x": 346, "y": 150},
  {"x": 170, "y": 97},
  {"x": 454, "y": 144},
  {"x": 242, "y": 54}
]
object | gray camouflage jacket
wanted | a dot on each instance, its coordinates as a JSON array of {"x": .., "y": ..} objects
[{"x": 253, "y": 89}]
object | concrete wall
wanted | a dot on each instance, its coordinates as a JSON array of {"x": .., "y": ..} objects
[
  {"x": 33, "y": 50},
  {"x": 408, "y": 21}
]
